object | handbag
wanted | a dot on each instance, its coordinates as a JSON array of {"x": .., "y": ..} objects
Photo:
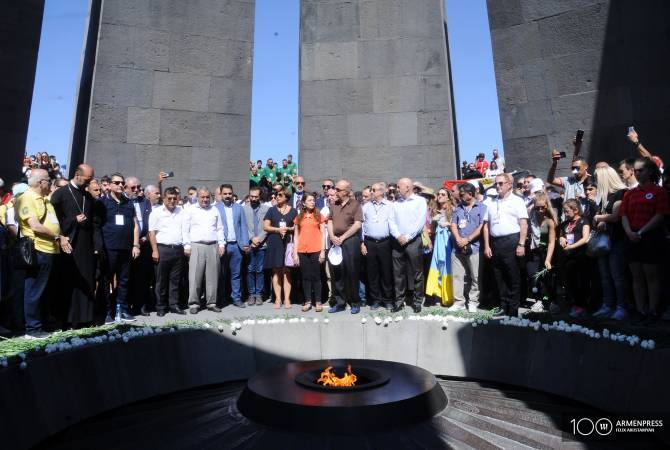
[
  {"x": 26, "y": 253},
  {"x": 288, "y": 254},
  {"x": 599, "y": 244}
]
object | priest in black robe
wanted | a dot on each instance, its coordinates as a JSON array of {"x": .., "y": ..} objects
[{"x": 76, "y": 285}]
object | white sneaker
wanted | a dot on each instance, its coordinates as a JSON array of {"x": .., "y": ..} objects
[
  {"x": 620, "y": 313},
  {"x": 537, "y": 306},
  {"x": 456, "y": 307},
  {"x": 604, "y": 312},
  {"x": 32, "y": 335},
  {"x": 472, "y": 308}
]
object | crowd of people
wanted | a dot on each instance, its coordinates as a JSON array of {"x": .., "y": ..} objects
[{"x": 87, "y": 251}]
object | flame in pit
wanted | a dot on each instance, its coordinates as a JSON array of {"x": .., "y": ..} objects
[{"x": 328, "y": 378}]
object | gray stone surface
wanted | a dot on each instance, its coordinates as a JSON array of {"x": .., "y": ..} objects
[
  {"x": 374, "y": 90},
  {"x": 20, "y": 28},
  {"x": 171, "y": 91},
  {"x": 580, "y": 64}
]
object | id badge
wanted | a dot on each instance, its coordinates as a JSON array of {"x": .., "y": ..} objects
[
  {"x": 119, "y": 219},
  {"x": 282, "y": 224},
  {"x": 462, "y": 223},
  {"x": 570, "y": 237},
  {"x": 53, "y": 219}
]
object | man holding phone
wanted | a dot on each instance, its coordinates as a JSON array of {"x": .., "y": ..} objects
[{"x": 573, "y": 185}]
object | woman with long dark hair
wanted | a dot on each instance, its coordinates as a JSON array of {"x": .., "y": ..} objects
[
  {"x": 574, "y": 265},
  {"x": 308, "y": 250}
]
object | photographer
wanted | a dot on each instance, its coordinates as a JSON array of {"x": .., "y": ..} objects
[{"x": 574, "y": 185}]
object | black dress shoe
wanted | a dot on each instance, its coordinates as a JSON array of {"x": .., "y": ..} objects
[
  {"x": 177, "y": 311},
  {"x": 397, "y": 308},
  {"x": 213, "y": 308},
  {"x": 416, "y": 309},
  {"x": 160, "y": 313},
  {"x": 144, "y": 312}
]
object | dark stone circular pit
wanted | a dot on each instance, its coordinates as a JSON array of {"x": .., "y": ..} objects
[{"x": 391, "y": 395}]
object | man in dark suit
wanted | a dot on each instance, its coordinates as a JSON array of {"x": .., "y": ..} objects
[
  {"x": 327, "y": 185},
  {"x": 298, "y": 193},
  {"x": 141, "y": 269},
  {"x": 236, "y": 235}
]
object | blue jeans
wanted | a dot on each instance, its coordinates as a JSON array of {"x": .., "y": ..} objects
[
  {"x": 613, "y": 269},
  {"x": 255, "y": 277},
  {"x": 231, "y": 263},
  {"x": 118, "y": 264},
  {"x": 34, "y": 286}
]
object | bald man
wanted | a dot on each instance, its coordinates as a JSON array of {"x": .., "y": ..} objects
[{"x": 74, "y": 208}]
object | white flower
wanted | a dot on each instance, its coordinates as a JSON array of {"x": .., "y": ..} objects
[
  {"x": 326, "y": 320},
  {"x": 207, "y": 325},
  {"x": 23, "y": 365},
  {"x": 303, "y": 320},
  {"x": 651, "y": 344},
  {"x": 398, "y": 318},
  {"x": 474, "y": 324},
  {"x": 364, "y": 320},
  {"x": 22, "y": 355},
  {"x": 125, "y": 339},
  {"x": 220, "y": 328},
  {"x": 378, "y": 320},
  {"x": 444, "y": 325},
  {"x": 315, "y": 320}
]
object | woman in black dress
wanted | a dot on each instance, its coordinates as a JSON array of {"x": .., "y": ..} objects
[{"x": 278, "y": 223}]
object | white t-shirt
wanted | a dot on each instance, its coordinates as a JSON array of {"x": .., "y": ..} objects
[{"x": 503, "y": 215}]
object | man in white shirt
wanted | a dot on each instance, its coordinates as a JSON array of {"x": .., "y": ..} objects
[
  {"x": 204, "y": 245},
  {"x": 505, "y": 228},
  {"x": 410, "y": 212},
  {"x": 167, "y": 227}
]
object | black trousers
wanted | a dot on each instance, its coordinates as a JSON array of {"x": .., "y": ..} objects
[
  {"x": 141, "y": 279},
  {"x": 168, "y": 276},
  {"x": 118, "y": 264},
  {"x": 506, "y": 272},
  {"x": 380, "y": 272},
  {"x": 408, "y": 271},
  {"x": 346, "y": 275},
  {"x": 310, "y": 268}
]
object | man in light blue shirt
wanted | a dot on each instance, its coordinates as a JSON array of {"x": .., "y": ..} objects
[
  {"x": 409, "y": 217},
  {"x": 376, "y": 247}
]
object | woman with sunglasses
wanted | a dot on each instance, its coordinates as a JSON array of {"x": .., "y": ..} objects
[
  {"x": 278, "y": 223},
  {"x": 642, "y": 213},
  {"x": 542, "y": 232},
  {"x": 308, "y": 250}
]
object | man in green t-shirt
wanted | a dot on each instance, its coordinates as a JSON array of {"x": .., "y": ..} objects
[
  {"x": 284, "y": 170},
  {"x": 254, "y": 177},
  {"x": 293, "y": 167},
  {"x": 270, "y": 171}
]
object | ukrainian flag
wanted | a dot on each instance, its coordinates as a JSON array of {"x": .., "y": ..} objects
[{"x": 440, "y": 281}]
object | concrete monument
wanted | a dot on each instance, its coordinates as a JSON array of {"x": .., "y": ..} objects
[
  {"x": 20, "y": 27},
  {"x": 375, "y": 91},
  {"x": 596, "y": 65},
  {"x": 171, "y": 90}
]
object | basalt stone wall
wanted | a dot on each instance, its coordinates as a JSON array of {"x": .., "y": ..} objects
[
  {"x": 597, "y": 65},
  {"x": 20, "y": 29},
  {"x": 375, "y": 95},
  {"x": 171, "y": 91}
]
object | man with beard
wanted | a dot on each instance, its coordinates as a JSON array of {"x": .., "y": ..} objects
[
  {"x": 254, "y": 212},
  {"x": 74, "y": 208},
  {"x": 237, "y": 242},
  {"x": 299, "y": 194}
]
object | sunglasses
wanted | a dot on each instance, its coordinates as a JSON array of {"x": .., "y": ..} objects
[
  {"x": 117, "y": 182},
  {"x": 502, "y": 183},
  {"x": 327, "y": 186},
  {"x": 299, "y": 183},
  {"x": 576, "y": 167}
]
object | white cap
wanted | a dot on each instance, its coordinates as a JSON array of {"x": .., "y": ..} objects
[
  {"x": 335, "y": 255},
  {"x": 536, "y": 185}
]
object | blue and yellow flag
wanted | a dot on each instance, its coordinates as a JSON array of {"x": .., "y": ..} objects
[{"x": 440, "y": 281}]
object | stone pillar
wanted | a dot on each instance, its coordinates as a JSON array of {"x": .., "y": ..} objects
[
  {"x": 375, "y": 96},
  {"x": 596, "y": 65},
  {"x": 172, "y": 91},
  {"x": 20, "y": 30}
]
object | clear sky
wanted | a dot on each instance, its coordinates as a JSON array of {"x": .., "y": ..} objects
[{"x": 274, "y": 127}]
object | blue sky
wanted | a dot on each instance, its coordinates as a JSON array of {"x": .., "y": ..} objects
[{"x": 274, "y": 128}]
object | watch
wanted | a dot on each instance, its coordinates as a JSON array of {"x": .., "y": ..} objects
[
  {"x": 520, "y": 245},
  {"x": 57, "y": 237}
]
